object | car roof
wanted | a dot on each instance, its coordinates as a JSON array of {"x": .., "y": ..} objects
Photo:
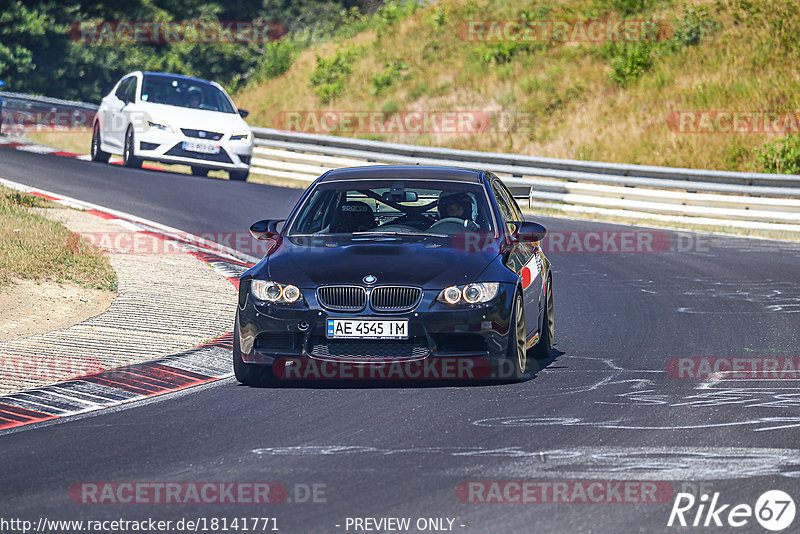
[
  {"x": 180, "y": 76},
  {"x": 405, "y": 172}
]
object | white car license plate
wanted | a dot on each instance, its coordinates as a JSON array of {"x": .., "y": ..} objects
[
  {"x": 200, "y": 146},
  {"x": 367, "y": 329}
]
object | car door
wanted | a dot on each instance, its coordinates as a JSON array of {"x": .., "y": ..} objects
[
  {"x": 114, "y": 122},
  {"x": 525, "y": 259}
]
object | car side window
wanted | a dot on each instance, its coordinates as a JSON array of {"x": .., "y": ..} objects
[
  {"x": 131, "y": 92},
  {"x": 506, "y": 211},
  {"x": 123, "y": 88},
  {"x": 511, "y": 202}
]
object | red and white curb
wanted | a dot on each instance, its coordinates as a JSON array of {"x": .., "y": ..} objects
[
  {"x": 196, "y": 366},
  {"x": 98, "y": 391}
]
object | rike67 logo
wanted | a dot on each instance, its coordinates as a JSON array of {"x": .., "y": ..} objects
[{"x": 774, "y": 510}]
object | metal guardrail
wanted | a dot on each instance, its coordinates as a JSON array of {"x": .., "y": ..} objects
[
  {"x": 43, "y": 101},
  {"x": 742, "y": 199},
  {"x": 739, "y": 199},
  {"x": 268, "y": 136},
  {"x": 18, "y": 111}
]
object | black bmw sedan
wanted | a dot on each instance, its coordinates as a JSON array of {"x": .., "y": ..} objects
[{"x": 396, "y": 272}]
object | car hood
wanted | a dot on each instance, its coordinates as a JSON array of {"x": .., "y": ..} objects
[
  {"x": 196, "y": 119},
  {"x": 424, "y": 262}
]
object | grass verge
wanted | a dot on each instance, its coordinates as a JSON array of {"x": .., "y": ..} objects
[
  {"x": 76, "y": 142},
  {"x": 34, "y": 247}
]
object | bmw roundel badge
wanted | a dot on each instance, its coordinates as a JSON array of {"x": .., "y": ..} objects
[{"x": 370, "y": 279}]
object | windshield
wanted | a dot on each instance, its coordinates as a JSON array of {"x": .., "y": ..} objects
[
  {"x": 184, "y": 93},
  {"x": 394, "y": 207}
]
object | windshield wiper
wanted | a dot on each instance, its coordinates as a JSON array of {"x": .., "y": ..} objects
[
  {"x": 426, "y": 234},
  {"x": 378, "y": 233}
]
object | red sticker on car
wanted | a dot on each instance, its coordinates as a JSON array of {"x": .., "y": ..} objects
[{"x": 526, "y": 277}]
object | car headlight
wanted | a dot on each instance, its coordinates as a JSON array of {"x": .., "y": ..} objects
[
  {"x": 244, "y": 136},
  {"x": 475, "y": 293},
  {"x": 274, "y": 292},
  {"x": 158, "y": 126}
]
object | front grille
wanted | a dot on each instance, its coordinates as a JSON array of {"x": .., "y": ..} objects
[
  {"x": 213, "y": 136},
  {"x": 394, "y": 298},
  {"x": 342, "y": 298},
  {"x": 177, "y": 150},
  {"x": 365, "y": 350}
]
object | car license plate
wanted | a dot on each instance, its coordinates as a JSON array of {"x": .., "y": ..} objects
[
  {"x": 367, "y": 329},
  {"x": 200, "y": 146}
]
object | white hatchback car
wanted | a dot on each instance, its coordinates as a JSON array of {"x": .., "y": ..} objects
[{"x": 173, "y": 118}]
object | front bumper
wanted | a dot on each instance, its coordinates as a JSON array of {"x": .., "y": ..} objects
[
  {"x": 271, "y": 332},
  {"x": 167, "y": 147}
]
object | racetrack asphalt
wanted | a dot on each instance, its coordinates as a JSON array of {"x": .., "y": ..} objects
[{"x": 604, "y": 409}]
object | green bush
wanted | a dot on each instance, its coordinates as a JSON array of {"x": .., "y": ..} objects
[
  {"x": 279, "y": 56},
  {"x": 630, "y": 61},
  {"x": 395, "y": 10},
  {"x": 781, "y": 156},
  {"x": 438, "y": 17},
  {"x": 500, "y": 52},
  {"x": 394, "y": 71},
  {"x": 629, "y": 7},
  {"x": 695, "y": 25},
  {"x": 330, "y": 74}
]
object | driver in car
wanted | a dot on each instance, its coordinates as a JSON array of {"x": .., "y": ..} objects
[
  {"x": 195, "y": 97},
  {"x": 456, "y": 205}
]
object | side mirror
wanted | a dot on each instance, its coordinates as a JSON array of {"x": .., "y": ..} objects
[
  {"x": 244, "y": 113},
  {"x": 266, "y": 229},
  {"x": 528, "y": 232}
]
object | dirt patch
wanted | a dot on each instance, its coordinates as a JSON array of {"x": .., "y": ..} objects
[{"x": 28, "y": 308}]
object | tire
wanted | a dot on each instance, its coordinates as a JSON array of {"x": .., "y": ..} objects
[
  {"x": 128, "y": 157},
  {"x": 199, "y": 171},
  {"x": 516, "y": 361},
  {"x": 238, "y": 176},
  {"x": 246, "y": 373},
  {"x": 96, "y": 152},
  {"x": 544, "y": 347}
]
